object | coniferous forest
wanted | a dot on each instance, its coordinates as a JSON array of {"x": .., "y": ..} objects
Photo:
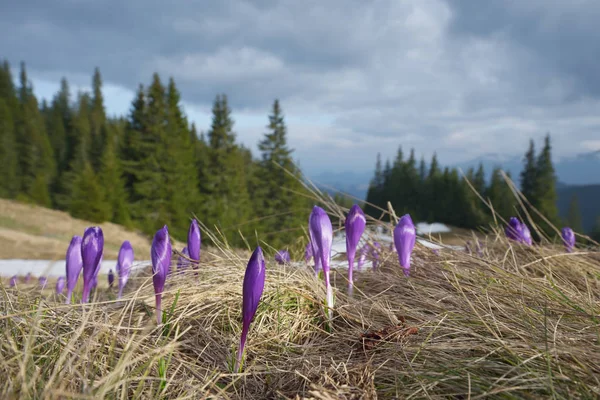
[
  {"x": 149, "y": 167},
  {"x": 152, "y": 167}
]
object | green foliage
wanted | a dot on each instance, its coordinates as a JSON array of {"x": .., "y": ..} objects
[
  {"x": 9, "y": 184},
  {"x": 574, "y": 216},
  {"x": 501, "y": 196},
  {"x": 88, "y": 201}
]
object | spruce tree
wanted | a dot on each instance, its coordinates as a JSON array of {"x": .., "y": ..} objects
[
  {"x": 501, "y": 196},
  {"x": 98, "y": 130},
  {"x": 479, "y": 180},
  {"x": 9, "y": 184},
  {"x": 529, "y": 175},
  {"x": 545, "y": 187},
  {"x": 574, "y": 215},
  {"x": 87, "y": 200},
  {"x": 374, "y": 193},
  {"x": 282, "y": 206},
  {"x": 111, "y": 180}
]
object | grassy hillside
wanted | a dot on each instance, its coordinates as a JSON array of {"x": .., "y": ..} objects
[
  {"x": 514, "y": 323},
  {"x": 588, "y": 197},
  {"x": 33, "y": 232}
]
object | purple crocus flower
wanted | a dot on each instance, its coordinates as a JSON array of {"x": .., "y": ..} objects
[
  {"x": 322, "y": 232},
  {"x": 308, "y": 252},
  {"x": 111, "y": 278},
  {"x": 315, "y": 248},
  {"x": 405, "y": 236},
  {"x": 13, "y": 281},
  {"x": 514, "y": 230},
  {"x": 161, "y": 263},
  {"x": 282, "y": 257},
  {"x": 124, "y": 261},
  {"x": 182, "y": 263},
  {"x": 92, "y": 247},
  {"x": 94, "y": 282},
  {"x": 60, "y": 284},
  {"x": 43, "y": 281},
  {"x": 375, "y": 250},
  {"x": 526, "y": 234},
  {"x": 355, "y": 226},
  {"x": 193, "y": 243},
  {"x": 568, "y": 237},
  {"x": 254, "y": 283},
  {"x": 28, "y": 277},
  {"x": 74, "y": 265}
]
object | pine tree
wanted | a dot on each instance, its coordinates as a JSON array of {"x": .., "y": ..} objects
[
  {"x": 97, "y": 117},
  {"x": 501, "y": 196},
  {"x": 574, "y": 215},
  {"x": 529, "y": 175},
  {"x": 87, "y": 200},
  {"x": 111, "y": 180},
  {"x": 9, "y": 184},
  {"x": 282, "y": 206},
  {"x": 545, "y": 188},
  {"x": 479, "y": 180},
  {"x": 374, "y": 193}
]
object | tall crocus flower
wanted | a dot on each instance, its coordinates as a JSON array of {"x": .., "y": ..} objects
[
  {"x": 161, "y": 263},
  {"x": 74, "y": 265},
  {"x": 405, "y": 236},
  {"x": 322, "y": 231},
  {"x": 92, "y": 246},
  {"x": 60, "y": 284},
  {"x": 526, "y": 234},
  {"x": 124, "y": 261},
  {"x": 514, "y": 230},
  {"x": 182, "y": 263},
  {"x": 13, "y": 281},
  {"x": 282, "y": 257},
  {"x": 568, "y": 237},
  {"x": 355, "y": 226},
  {"x": 111, "y": 278},
  {"x": 193, "y": 243},
  {"x": 254, "y": 283}
]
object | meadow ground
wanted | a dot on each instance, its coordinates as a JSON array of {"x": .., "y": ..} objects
[{"x": 513, "y": 322}]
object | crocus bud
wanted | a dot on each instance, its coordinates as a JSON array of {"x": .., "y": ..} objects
[
  {"x": 355, "y": 226},
  {"x": 405, "y": 236},
  {"x": 514, "y": 230},
  {"x": 111, "y": 278},
  {"x": 92, "y": 246},
  {"x": 74, "y": 265},
  {"x": 13, "y": 281},
  {"x": 526, "y": 234},
  {"x": 60, "y": 284},
  {"x": 182, "y": 263},
  {"x": 43, "y": 281},
  {"x": 28, "y": 277},
  {"x": 568, "y": 237},
  {"x": 282, "y": 257},
  {"x": 322, "y": 232},
  {"x": 124, "y": 261},
  {"x": 193, "y": 244},
  {"x": 314, "y": 249},
  {"x": 308, "y": 252},
  {"x": 160, "y": 254},
  {"x": 375, "y": 250},
  {"x": 254, "y": 283}
]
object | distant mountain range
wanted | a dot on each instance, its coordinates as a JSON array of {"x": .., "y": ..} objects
[{"x": 579, "y": 175}]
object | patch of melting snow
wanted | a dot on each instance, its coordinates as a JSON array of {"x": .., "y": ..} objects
[{"x": 51, "y": 268}]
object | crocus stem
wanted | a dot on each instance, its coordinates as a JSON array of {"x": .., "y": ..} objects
[
  {"x": 69, "y": 294},
  {"x": 350, "y": 269},
  {"x": 329, "y": 295},
  {"x": 120, "y": 291},
  {"x": 85, "y": 296},
  {"x": 238, "y": 363},
  {"x": 158, "y": 298}
]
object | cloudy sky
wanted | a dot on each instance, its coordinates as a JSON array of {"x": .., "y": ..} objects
[{"x": 459, "y": 77}]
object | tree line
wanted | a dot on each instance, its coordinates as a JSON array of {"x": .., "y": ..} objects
[
  {"x": 433, "y": 194},
  {"x": 149, "y": 167}
]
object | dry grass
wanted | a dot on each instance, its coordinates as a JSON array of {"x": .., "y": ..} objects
[
  {"x": 514, "y": 323},
  {"x": 34, "y": 232}
]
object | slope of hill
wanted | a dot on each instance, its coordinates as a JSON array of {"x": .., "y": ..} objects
[
  {"x": 588, "y": 197},
  {"x": 33, "y": 232}
]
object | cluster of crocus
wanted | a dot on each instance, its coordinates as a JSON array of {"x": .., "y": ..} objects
[
  {"x": 282, "y": 257},
  {"x": 321, "y": 233},
  {"x": 92, "y": 248},
  {"x": 194, "y": 243},
  {"x": 60, "y": 285},
  {"x": 124, "y": 262},
  {"x": 518, "y": 231},
  {"x": 568, "y": 237},
  {"x": 160, "y": 253},
  {"x": 74, "y": 265},
  {"x": 254, "y": 283},
  {"x": 405, "y": 236},
  {"x": 355, "y": 225}
]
